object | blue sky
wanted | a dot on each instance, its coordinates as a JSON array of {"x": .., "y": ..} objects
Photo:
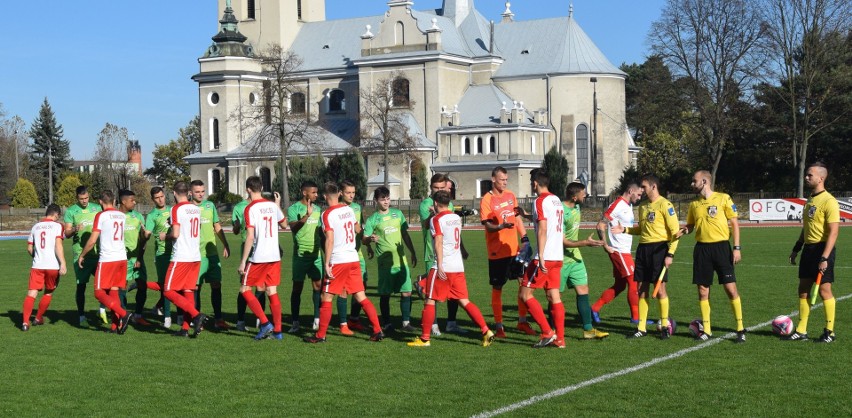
[{"x": 129, "y": 63}]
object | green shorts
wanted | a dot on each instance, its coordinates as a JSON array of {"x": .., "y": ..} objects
[
  {"x": 394, "y": 280},
  {"x": 307, "y": 266},
  {"x": 161, "y": 262},
  {"x": 573, "y": 274},
  {"x": 211, "y": 270},
  {"x": 90, "y": 264},
  {"x": 136, "y": 274}
]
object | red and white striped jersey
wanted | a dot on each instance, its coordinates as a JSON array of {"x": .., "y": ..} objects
[
  {"x": 264, "y": 217},
  {"x": 186, "y": 217},
  {"x": 43, "y": 239},
  {"x": 341, "y": 219},
  {"x": 110, "y": 225},
  {"x": 549, "y": 207},
  {"x": 620, "y": 212},
  {"x": 448, "y": 225}
]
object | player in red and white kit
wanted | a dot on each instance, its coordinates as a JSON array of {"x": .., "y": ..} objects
[
  {"x": 445, "y": 279},
  {"x": 260, "y": 265},
  {"x": 111, "y": 273},
  {"x": 544, "y": 272},
  {"x": 45, "y": 246},
  {"x": 182, "y": 273},
  {"x": 342, "y": 264},
  {"x": 620, "y": 212}
]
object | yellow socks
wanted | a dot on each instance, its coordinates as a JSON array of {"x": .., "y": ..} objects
[
  {"x": 804, "y": 313},
  {"x": 643, "y": 314},
  {"x": 664, "y": 311},
  {"x": 737, "y": 307},
  {"x": 829, "y": 313},
  {"x": 705, "y": 315}
]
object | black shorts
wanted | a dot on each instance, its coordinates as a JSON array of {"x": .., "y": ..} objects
[
  {"x": 809, "y": 263},
  {"x": 712, "y": 257},
  {"x": 650, "y": 259},
  {"x": 498, "y": 271}
]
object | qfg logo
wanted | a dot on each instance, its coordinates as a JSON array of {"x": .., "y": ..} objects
[{"x": 775, "y": 209}]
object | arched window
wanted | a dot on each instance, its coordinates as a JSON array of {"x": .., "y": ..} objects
[
  {"x": 492, "y": 145},
  {"x": 581, "y": 148},
  {"x": 479, "y": 144},
  {"x": 214, "y": 134},
  {"x": 297, "y": 103},
  {"x": 465, "y": 146},
  {"x": 399, "y": 34},
  {"x": 265, "y": 178},
  {"x": 336, "y": 101},
  {"x": 400, "y": 92}
]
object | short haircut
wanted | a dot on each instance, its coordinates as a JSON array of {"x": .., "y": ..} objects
[
  {"x": 53, "y": 209},
  {"x": 155, "y": 190},
  {"x": 540, "y": 176},
  {"x": 107, "y": 196},
  {"x": 346, "y": 183},
  {"x": 307, "y": 184},
  {"x": 125, "y": 193},
  {"x": 180, "y": 187},
  {"x": 441, "y": 197},
  {"x": 196, "y": 183},
  {"x": 573, "y": 188},
  {"x": 330, "y": 187},
  {"x": 438, "y": 178},
  {"x": 82, "y": 190},
  {"x": 381, "y": 192},
  {"x": 254, "y": 184},
  {"x": 498, "y": 169},
  {"x": 819, "y": 164},
  {"x": 630, "y": 184},
  {"x": 651, "y": 179}
]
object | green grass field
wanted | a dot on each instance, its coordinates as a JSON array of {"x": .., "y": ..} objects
[{"x": 62, "y": 370}]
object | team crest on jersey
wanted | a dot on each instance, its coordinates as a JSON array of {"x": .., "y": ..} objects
[
  {"x": 651, "y": 216},
  {"x": 712, "y": 211},
  {"x": 811, "y": 211},
  {"x": 671, "y": 211}
]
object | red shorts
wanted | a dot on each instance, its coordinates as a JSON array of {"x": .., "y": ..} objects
[
  {"x": 111, "y": 274},
  {"x": 262, "y": 274},
  {"x": 43, "y": 279},
  {"x": 182, "y": 275},
  {"x": 347, "y": 278},
  {"x": 455, "y": 287},
  {"x": 535, "y": 279},
  {"x": 622, "y": 265}
]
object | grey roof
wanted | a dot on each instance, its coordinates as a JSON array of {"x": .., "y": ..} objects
[
  {"x": 333, "y": 136},
  {"x": 343, "y": 38},
  {"x": 415, "y": 131},
  {"x": 379, "y": 179},
  {"x": 481, "y": 105}
]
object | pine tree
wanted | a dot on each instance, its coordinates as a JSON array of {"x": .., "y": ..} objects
[
  {"x": 349, "y": 166},
  {"x": 556, "y": 167},
  {"x": 419, "y": 180},
  {"x": 46, "y": 134}
]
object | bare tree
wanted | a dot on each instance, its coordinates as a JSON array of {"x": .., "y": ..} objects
[
  {"x": 385, "y": 118},
  {"x": 111, "y": 155},
  {"x": 713, "y": 44},
  {"x": 280, "y": 120},
  {"x": 797, "y": 32}
]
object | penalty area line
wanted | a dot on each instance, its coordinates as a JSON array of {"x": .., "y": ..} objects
[{"x": 603, "y": 378}]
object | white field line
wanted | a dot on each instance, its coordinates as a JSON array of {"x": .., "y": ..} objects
[{"x": 568, "y": 389}]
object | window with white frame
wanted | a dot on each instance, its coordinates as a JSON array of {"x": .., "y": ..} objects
[
  {"x": 336, "y": 101},
  {"x": 465, "y": 146},
  {"x": 581, "y": 148}
]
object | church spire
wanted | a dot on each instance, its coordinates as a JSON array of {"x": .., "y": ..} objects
[{"x": 229, "y": 41}]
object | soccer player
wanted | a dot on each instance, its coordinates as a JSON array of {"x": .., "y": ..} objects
[
  {"x": 820, "y": 227},
  {"x": 304, "y": 220},
  {"x": 573, "y": 268},
  {"x": 620, "y": 211},
  {"x": 157, "y": 225},
  {"x": 388, "y": 229},
  {"x": 78, "y": 225},
  {"x": 45, "y": 247},
  {"x": 709, "y": 216},
  {"x": 238, "y": 221},
  {"x": 260, "y": 265},
  {"x": 134, "y": 244},
  {"x": 446, "y": 276},
  {"x": 657, "y": 230},
  {"x": 211, "y": 266},
  {"x": 544, "y": 271},
  {"x": 182, "y": 272},
  {"x": 347, "y": 196},
  {"x": 502, "y": 230},
  {"x": 342, "y": 269},
  {"x": 111, "y": 270}
]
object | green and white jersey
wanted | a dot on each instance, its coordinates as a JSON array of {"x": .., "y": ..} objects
[
  {"x": 571, "y": 230},
  {"x": 388, "y": 228},
  {"x": 83, "y": 219},
  {"x": 157, "y": 221},
  {"x": 425, "y": 215},
  {"x": 209, "y": 216},
  {"x": 239, "y": 217},
  {"x": 358, "y": 216},
  {"x": 133, "y": 227},
  {"x": 305, "y": 241}
]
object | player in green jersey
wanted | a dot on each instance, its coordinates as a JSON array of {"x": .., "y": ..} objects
[
  {"x": 211, "y": 266},
  {"x": 157, "y": 225},
  {"x": 134, "y": 243},
  {"x": 79, "y": 218},
  {"x": 303, "y": 218},
  {"x": 388, "y": 229}
]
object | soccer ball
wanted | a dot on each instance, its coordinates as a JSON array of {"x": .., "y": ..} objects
[
  {"x": 672, "y": 326},
  {"x": 782, "y": 325},
  {"x": 696, "y": 328}
]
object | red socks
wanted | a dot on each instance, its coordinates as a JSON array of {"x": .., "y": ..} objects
[
  {"x": 633, "y": 297},
  {"x": 428, "y": 319},
  {"x": 153, "y": 286},
  {"x": 558, "y": 312},
  {"x": 497, "y": 305},
  {"x": 474, "y": 313},
  {"x": 110, "y": 302},
  {"x": 43, "y": 304},
  {"x": 184, "y": 301},
  {"x": 29, "y": 302},
  {"x": 254, "y": 305},
  {"x": 275, "y": 306},
  {"x": 522, "y": 308},
  {"x": 538, "y": 315},
  {"x": 370, "y": 310},
  {"x": 325, "y": 318}
]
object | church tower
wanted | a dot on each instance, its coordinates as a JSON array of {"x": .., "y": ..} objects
[{"x": 266, "y": 22}]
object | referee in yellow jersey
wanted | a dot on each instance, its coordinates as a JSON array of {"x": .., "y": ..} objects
[
  {"x": 820, "y": 227},
  {"x": 657, "y": 230},
  {"x": 709, "y": 216}
]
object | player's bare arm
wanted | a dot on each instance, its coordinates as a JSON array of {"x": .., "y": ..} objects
[
  {"x": 439, "y": 256},
  {"x": 588, "y": 242},
  {"x": 735, "y": 228},
  {"x": 329, "y": 247},
  {"x": 541, "y": 236},
  {"x": 797, "y": 247},
  {"x": 407, "y": 240},
  {"x": 60, "y": 255},
  {"x": 833, "y": 231},
  {"x": 220, "y": 233},
  {"x": 89, "y": 246},
  {"x": 246, "y": 250}
]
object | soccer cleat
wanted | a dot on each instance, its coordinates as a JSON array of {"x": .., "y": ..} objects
[
  {"x": 167, "y": 322},
  {"x": 501, "y": 332},
  {"x": 594, "y": 334},
  {"x": 408, "y": 328},
  {"x": 37, "y": 322},
  {"x": 355, "y": 325},
  {"x": 665, "y": 333},
  {"x": 295, "y": 328},
  {"x": 181, "y": 333},
  {"x": 278, "y": 336},
  {"x": 546, "y": 339},
  {"x": 706, "y": 337},
  {"x": 221, "y": 325},
  {"x": 25, "y": 327},
  {"x": 377, "y": 336},
  {"x": 740, "y": 337},
  {"x": 637, "y": 334},
  {"x": 198, "y": 324},
  {"x": 83, "y": 321},
  {"x": 418, "y": 287},
  {"x": 344, "y": 329},
  {"x": 796, "y": 336},
  {"x": 241, "y": 326},
  {"x": 418, "y": 342},
  {"x": 139, "y": 320},
  {"x": 103, "y": 315},
  {"x": 264, "y": 331},
  {"x": 436, "y": 330},
  {"x": 453, "y": 328},
  {"x": 315, "y": 326},
  {"x": 526, "y": 328},
  {"x": 487, "y": 338},
  {"x": 388, "y": 327},
  {"x": 826, "y": 337},
  {"x": 596, "y": 317},
  {"x": 124, "y": 322},
  {"x": 313, "y": 339},
  {"x": 559, "y": 344}
]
